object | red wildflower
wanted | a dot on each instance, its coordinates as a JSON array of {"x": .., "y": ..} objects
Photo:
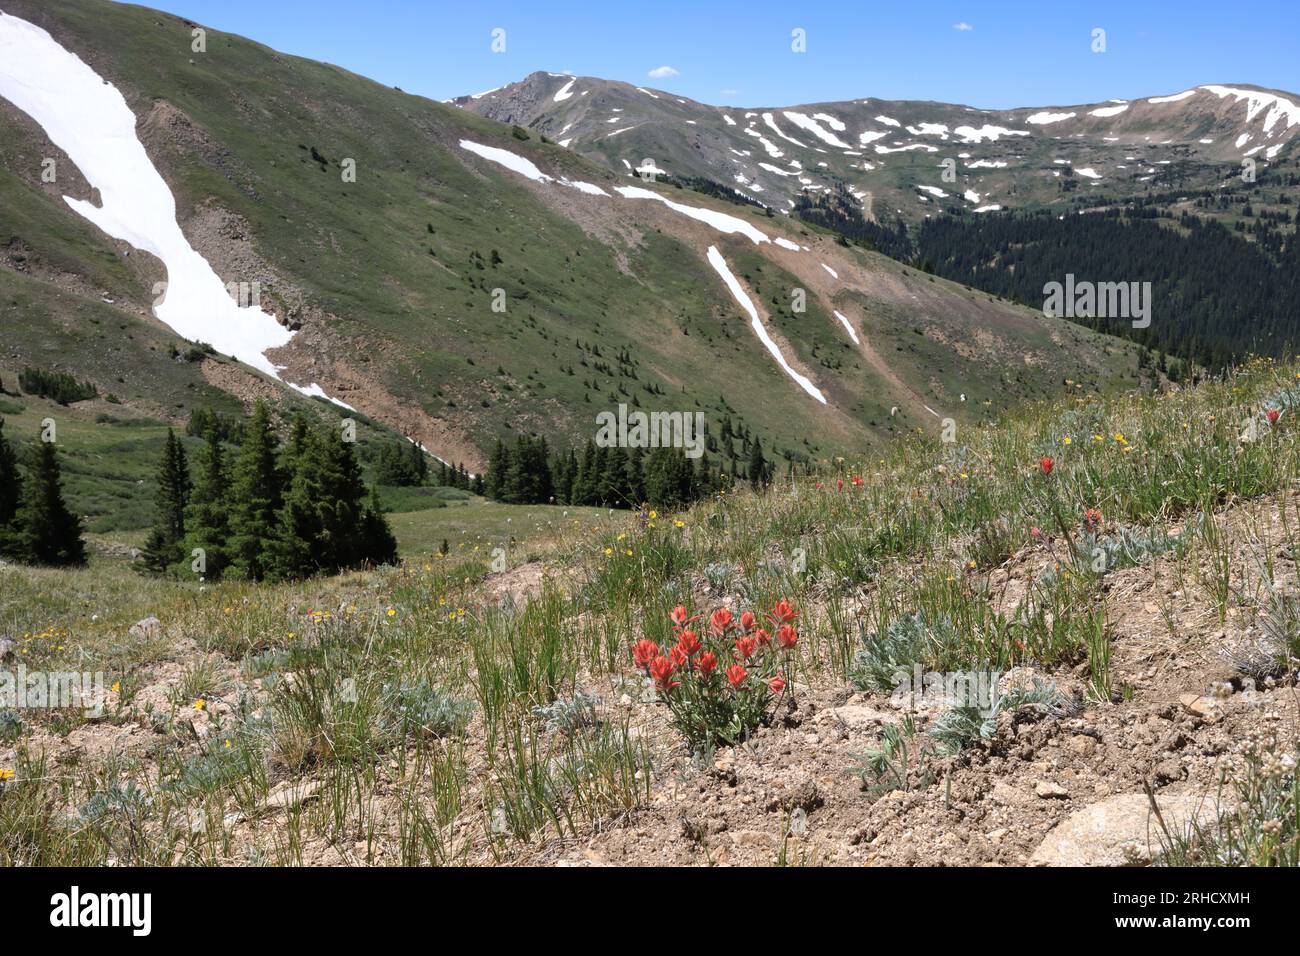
[
  {"x": 1035, "y": 532},
  {"x": 762, "y": 636},
  {"x": 787, "y": 636},
  {"x": 777, "y": 684},
  {"x": 858, "y": 482},
  {"x": 679, "y": 656},
  {"x": 1045, "y": 465},
  {"x": 839, "y": 484},
  {"x": 783, "y": 612},
  {"x": 745, "y": 647},
  {"x": 736, "y": 673},
  {"x": 1092, "y": 519},
  {"x": 1273, "y": 415},
  {"x": 679, "y": 618},
  {"x": 747, "y": 621},
  {"x": 661, "y": 669},
  {"x": 721, "y": 621},
  {"x": 707, "y": 662},
  {"x": 689, "y": 642},
  {"x": 643, "y": 652}
]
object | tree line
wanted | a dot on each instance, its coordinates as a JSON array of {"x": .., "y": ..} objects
[
  {"x": 528, "y": 473},
  {"x": 266, "y": 510}
]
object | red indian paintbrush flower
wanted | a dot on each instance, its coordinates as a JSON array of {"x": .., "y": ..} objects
[
  {"x": 643, "y": 652},
  {"x": 689, "y": 642},
  {"x": 858, "y": 482},
  {"x": 661, "y": 669},
  {"x": 747, "y": 621},
  {"x": 736, "y": 673},
  {"x": 787, "y": 636},
  {"x": 1092, "y": 519},
  {"x": 783, "y": 612},
  {"x": 777, "y": 684},
  {"x": 1046, "y": 464},
  {"x": 762, "y": 637},
  {"x": 721, "y": 621},
  {"x": 707, "y": 662},
  {"x": 679, "y": 618},
  {"x": 745, "y": 647},
  {"x": 839, "y": 484},
  {"x": 679, "y": 657},
  {"x": 1273, "y": 415}
]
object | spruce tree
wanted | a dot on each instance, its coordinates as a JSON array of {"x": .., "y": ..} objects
[
  {"x": 380, "y": 546},
  {"x": 48, "y": 533},
  {"x": 163, "y": 547},
  {"x": 207, "y": 523},
  {"x": 10, "y": 496},
  {"x": 255, "y": 494}
]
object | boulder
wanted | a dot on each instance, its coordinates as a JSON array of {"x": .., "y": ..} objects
[{"x": 1121, "y": 830}]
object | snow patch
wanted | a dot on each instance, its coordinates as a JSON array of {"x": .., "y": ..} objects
[
  {"x": 564, "y": 92},
  {"x": 814, "y": 127},
  {"x": 848, "y": 327},
  {"x": 1108, "y": 110},
  {"x": 1046, "y": 119},
  {"x": 738, "y": 293},
  {"x": 87, "y": 118},
  {"x": 1279, "y": 108},
  {"x": 992, "y": 133},
  {"x": 718, "y": 220}
]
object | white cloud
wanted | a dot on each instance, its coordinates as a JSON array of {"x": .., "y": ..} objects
[
  {"x": 963, "y": 27},
  {"x": 659, "y": 72},
  {"x": 730, "y": 92}
]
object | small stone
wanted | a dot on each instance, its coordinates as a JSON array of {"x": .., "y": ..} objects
[
  {"x": 1200, "y": 706},
  {"x": 1083, "y": 745},
  {"x": 1050, "y": 791}
]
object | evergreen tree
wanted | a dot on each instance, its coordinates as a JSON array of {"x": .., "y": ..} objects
[
  {"x": 255, "y": 497},
  {"x": 48, "y": 533},
  {"x": 759, "y": 472},
  {"x": 163, "y": 547},
  {"x": 379, "y": 544},
  {"x": 325, "y": 523},
  {"x": 10, "y": 496},
  {"x": 207, "y": 524}
]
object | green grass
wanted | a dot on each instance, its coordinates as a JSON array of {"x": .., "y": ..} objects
[{"x": 380, "y": 669}]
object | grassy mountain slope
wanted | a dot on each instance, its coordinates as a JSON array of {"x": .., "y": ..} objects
[
  {"x": 390, "y": 278},
  {"x": 498, "y": 717}
]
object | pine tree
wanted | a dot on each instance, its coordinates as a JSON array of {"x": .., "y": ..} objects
[
  {"x": 48, "y": 532},
  {"x": 379, "y": 544},
  {"x": 255, "y": 495},
  {"x": 326, "y": 524},
  {"x": 163, "y": 547},
  {"x": 10, "y": 496},
  {"x": 207, "y": 523},
  {"x": 758, "y": 471}
]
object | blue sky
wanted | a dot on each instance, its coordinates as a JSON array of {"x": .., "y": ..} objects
[{"x": 992, "y": 55}]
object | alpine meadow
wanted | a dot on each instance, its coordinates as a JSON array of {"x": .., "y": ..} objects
[{"x": 675, "y": 455}]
